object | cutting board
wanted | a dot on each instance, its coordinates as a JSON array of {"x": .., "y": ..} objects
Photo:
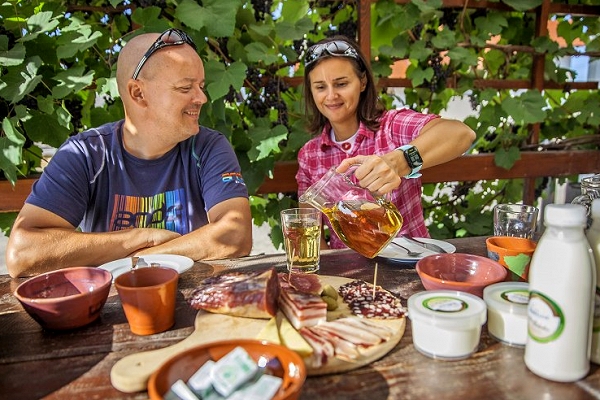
[{"x": 131, "y": 373}]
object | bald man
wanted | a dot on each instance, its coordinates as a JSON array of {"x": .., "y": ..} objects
[{"x": 155, "y": 182}]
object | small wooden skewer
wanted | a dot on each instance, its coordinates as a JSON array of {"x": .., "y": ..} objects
[{"x": 375, "y": 281}]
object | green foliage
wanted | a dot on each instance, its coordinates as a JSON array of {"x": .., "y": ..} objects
[{"x": 57, "y": 64}]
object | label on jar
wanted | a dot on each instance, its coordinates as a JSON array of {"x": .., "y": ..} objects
[
  {"x": 445, "y": 304},
  {"x": 518, "y": 296},
  {"x": 545, "y": 319}
]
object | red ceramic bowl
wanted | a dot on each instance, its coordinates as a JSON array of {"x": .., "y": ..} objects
[
  {"x": 458, "y": 271},
  {"x": 66, "y": 298},
  {"x": 183, "y": 365}
]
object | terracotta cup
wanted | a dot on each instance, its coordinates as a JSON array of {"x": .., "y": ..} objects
[
  {"x": 512, "y": 252},
  {"x": 148, "y": 298}
]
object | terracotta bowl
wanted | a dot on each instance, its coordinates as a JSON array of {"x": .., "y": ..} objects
[
  {"x": 513, "y": 253},
  {"x": 66, "y": 298},
  {"x": 458, "y": 271},
  {"x": 183, "y": 365}
]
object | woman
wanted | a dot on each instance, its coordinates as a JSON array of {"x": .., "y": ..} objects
[{"x": 352, "y": 127}]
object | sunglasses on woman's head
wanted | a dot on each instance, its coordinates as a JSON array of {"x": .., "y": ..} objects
[
  {"x": 337, "y": 48},
  {"x": 170, "y": 37}
]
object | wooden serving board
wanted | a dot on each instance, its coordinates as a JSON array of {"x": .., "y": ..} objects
[{"x": 131, "y": 373}]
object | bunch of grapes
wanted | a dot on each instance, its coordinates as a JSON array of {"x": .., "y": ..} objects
[
  {"x": 449, "y": 18},
  {"x": 348, "y": 28},
  {"x": 264, "y": 98},
  {"x": 417, "y": 30},
  {"x": 440, "y": 73},
  {"x": 9, "y": 34},
  {"x": 261, "y": 7},
  {"x": 74, "y": 108}
]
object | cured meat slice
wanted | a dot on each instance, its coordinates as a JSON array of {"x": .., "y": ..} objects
[
  {"x": 251, "y": 294},
  {"x": 353, "y": 334},
  {"x": 322, "y": 349},
  {"x": 305, "y": 283},
  {"x": 383, "y": 332},
  {"x": 343, "y": 349},
  {"x": 302, "y": 309}
]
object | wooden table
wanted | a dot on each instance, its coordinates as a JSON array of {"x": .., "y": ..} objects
[{"x": 76, "y": 364}]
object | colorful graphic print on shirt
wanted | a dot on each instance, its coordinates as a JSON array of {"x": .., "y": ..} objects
[
  {"x": 164, "y": 211},
  {"x": 233, "y": 176}
]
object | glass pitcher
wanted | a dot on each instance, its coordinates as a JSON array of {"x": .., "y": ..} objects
[
  {"x": 590, "y": 190},
  {"x": 365, "y": 222}
]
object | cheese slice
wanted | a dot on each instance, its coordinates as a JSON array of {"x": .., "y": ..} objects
[
  {"x": 291, "y": 338},
  {"x": 269, "y": 332}
]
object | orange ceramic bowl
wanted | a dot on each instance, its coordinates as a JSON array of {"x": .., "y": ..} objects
[
  {"x": 458, "y": 271},
  {"x": 183, "y": 365},
  {"x": 66, "y": 298},
  {"x": 513, "y": 253}
]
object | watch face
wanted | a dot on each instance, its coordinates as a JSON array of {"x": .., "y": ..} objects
[{"x": 413, "y": 157}]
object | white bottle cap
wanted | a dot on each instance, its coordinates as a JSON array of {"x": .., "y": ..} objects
[{"x": 568, "y": 215}]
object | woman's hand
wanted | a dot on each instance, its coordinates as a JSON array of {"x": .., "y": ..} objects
[{"x": 379, "y": 174}]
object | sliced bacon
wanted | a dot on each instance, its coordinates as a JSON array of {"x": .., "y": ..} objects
[
  {"x": 243, "y": 294},
  {"x": 302, "y": 309},
  {"x": 305, "y": 283},
  {"x": 384, "y": 332},
  {"x": 353, "y": 334},
  {"x": 322, "y": 349},
  {"x": 344, "y": 350}
]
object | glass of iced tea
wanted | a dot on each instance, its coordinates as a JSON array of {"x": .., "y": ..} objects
[{"x": 302, "y": 238}]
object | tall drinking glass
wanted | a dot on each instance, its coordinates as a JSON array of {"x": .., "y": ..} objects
[{"x": 302, "y": 238}]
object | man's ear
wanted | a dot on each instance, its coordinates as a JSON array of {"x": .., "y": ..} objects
[{"x": 136, "y": 92}]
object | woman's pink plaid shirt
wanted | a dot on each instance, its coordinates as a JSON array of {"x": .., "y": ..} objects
[{"x": 398, "y": 127}]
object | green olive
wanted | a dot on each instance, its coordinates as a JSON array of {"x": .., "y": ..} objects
[
  {"x": 331, "y": 303},
  {"x": 330, "y": 291}
]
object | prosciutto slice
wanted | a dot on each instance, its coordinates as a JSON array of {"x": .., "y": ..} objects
[
  {"x": 305, "y": 283},
  {"x": 251, "y": 294}
]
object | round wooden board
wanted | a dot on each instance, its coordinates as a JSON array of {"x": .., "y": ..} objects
[{"x": 131, "y": 373}]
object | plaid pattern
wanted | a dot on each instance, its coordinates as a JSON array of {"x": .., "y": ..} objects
[{"x": 398, "y": 127}]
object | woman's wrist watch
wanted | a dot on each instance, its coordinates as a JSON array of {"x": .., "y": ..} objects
[{"x": 413, "y": 158}]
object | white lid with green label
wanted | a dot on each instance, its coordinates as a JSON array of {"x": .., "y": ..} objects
[
  {"x": 447, "y": 309},
  {"x": 508, "y": 297}
]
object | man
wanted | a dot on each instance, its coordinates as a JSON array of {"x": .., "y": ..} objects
[{"x": 151, "y": 183}]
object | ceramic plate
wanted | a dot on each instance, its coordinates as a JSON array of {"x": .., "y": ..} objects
[
  {"x": 395, "y": 253},
  {"x": 178, "y": 263}
]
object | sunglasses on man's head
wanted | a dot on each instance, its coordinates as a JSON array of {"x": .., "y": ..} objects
[
  {"x": 170, "y": 37},
  {"x": 337, "y": 48}
]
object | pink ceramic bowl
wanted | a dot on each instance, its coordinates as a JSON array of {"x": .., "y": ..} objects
[
  {"x": 458, "y": 271},
  {"x": 66, "y": 298}
]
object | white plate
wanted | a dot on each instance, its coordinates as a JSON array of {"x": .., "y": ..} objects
[
  {"x": 395, "y": 253},
  {"x": 178, "y": 263}
]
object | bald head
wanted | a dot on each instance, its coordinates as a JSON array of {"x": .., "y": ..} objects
[{"x": 130, "y": 56}]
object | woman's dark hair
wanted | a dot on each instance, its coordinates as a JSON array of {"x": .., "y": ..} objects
[{"x": 369, "y": 108}]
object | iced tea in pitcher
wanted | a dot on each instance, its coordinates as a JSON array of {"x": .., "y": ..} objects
[{"x": 363, "y": 221}]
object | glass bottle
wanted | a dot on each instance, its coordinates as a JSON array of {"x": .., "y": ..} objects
[
  {"x": 593, "y": 235},
  {"x": 562, "y": 281},
  {"x": 590, "y": 190}
]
